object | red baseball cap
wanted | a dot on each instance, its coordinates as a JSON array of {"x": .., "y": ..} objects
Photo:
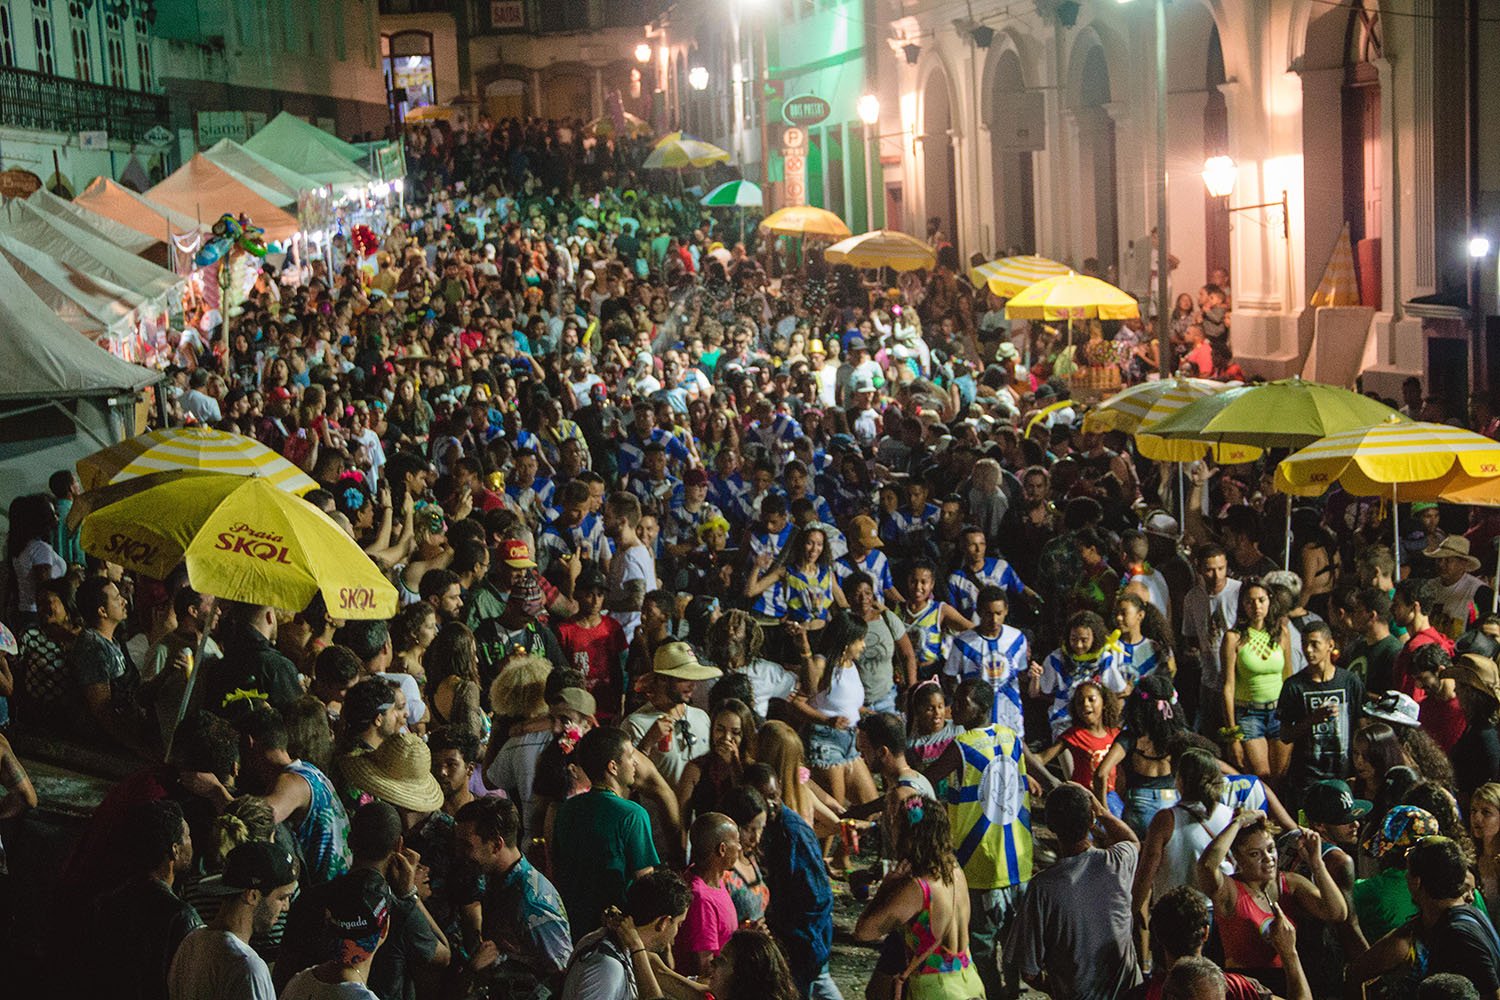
[
  {"x": 516, "y": 554},
  {"x": 281, "y": 392}
]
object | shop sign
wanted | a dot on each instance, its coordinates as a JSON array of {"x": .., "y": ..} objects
[{"x": 805, "y": 110}]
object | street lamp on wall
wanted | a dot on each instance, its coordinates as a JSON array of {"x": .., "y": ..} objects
[
  {"x": 643, "y": 53},
  {"x": 1479, "y": 247},
  {"x": 869, "y": 109},
  {"x": 1219, "y": 174},
  {"x": 698, "y": 78}
]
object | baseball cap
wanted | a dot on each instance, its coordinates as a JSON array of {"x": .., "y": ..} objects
[
  {"x": 516, "y": 554},
  {"x": 259, "y": 864},
  {"x": 1332, "y": 802},
  {"x": 866, "y": 532},
  {"x": 358, "y": 909},
  {"x": 855, "y": 344},
  {"x": 863, "y": 384},
  {"x": 281, "y": 392},
  {"x": 677, "y": 660},
  {"x": 578, "y": 700},
  {"x": 1399, "y": 829}
]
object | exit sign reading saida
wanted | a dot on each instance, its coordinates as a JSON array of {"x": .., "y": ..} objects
[{"x": 804, "y": 110}]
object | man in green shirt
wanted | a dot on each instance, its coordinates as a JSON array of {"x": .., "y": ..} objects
[
  {"x": 1382, "y": 902},
  {"x": 601, "y": 840}
]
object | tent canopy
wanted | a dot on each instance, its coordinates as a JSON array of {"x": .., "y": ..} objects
[
  {"x": 114, "y": 201},
  {"x": 42, "y": 357},
  {"x": 102, "y": 226},
  {"x": 93, "y": 306},
  {"x": 311, "y": 152},
  {"x": 255, "y": 169},
  {"x": 205, "y": 190},
  {"x": 85, "y": 251}
]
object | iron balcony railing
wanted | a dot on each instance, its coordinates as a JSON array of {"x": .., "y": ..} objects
[{"x": 57, "y": 104}]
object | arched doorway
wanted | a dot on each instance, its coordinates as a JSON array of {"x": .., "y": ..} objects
[
  {"x": 1017, "y": 127},
  {"x": 506, "y": 97},
  {"x": 940, "y": 180},
  {"x": 1341, "y": 123},
  {"x": 1198, "y": 128},
  {"x": 1099, "y": 203}
]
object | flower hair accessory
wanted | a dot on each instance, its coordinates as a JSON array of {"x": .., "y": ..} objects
[
  {"x": 354, "y": 498},
  {"x": 915, "y": 811},
  {"x": 569, "y": 739}
]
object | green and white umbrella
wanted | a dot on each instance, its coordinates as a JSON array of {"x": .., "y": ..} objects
[{"x": 734, "y": 194}]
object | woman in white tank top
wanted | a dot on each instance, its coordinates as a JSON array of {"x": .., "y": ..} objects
[
  {"x": 1178, "y": 836},
  {"x": 833, "y": 696}
]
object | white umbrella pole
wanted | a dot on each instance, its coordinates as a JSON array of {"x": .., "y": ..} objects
[
  {"x": 1286, "y": 562},
  {"x": 1396, "y": 530},
  {"x": 1495, "y": 590}
]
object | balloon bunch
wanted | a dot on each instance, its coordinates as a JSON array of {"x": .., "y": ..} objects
[
  {"x": 230, "y": 232},
  {"x": 364, "y": 240}
]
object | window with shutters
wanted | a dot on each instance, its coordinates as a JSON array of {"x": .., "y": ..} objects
[{"x": 41, "y": 33}]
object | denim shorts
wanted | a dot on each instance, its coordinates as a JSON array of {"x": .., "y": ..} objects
[
  {"x": 1142, "y": 805},
  {"x": 886, "y": 704},
  {"x": 1258, "y": 723},
  {"x": 829, "y": 747}
]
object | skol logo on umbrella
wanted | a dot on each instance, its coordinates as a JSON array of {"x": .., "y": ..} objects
[
  {"x": 356, "y": 598},
  {"x": 130, "y": 550},
  {"x": 242, "y": 539}
]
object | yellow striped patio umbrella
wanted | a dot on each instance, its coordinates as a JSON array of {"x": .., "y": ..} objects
[
  {"x": 191, "y": 448},
  {"x": 1406, "y": 460},
  {"x": 679, "y": 150},
  {"x": 882, "y": 248},
  {"x": 1008, "y": 276},
  {"x": 1072, "y": 296},
  {"x": 1400, "y": 459},
  {"x": 1135, "y": 409},
  {"x": 1340, "y": 286},
  {"x": 805, "y": 220}
]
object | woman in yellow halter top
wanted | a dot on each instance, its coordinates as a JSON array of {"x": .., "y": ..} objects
[{"x": 1256, "y": 660}]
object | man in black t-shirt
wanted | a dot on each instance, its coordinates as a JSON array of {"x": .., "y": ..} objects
[{"x": 1318, "y": 707}]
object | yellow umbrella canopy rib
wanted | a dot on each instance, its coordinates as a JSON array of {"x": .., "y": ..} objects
[
  {"x": 882, "y": 248},
  {"x": 1072, "y": 296},
  {"x": 242, "y": 539},
  {"x": 1288, "y": 413},
  {"x": 805, "y": 220},
  {"x": 1009, "y": 276},
  {"x": 1135, "y": 409},
  {"x": 190, "y": 448},
  {"x": 1414, "y": 457}
]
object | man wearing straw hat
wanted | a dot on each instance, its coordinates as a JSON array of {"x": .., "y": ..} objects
[
  {"x": 1458, "y": 594},
  {"x": 668, "y": 729}
]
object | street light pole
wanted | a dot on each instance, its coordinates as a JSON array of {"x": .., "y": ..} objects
[{"x": 1163, "y": 270}]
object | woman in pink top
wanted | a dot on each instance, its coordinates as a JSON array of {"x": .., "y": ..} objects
[{"x": 1247, "y": 900}]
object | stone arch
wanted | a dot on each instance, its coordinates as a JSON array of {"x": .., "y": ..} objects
[
  {"x": 1016, "y": 120},
  {"x": 1338, "y": 55},
  {"x": 567, "y": 91},
  {"x": 1090, "y": 91},
  {"x": 935, "y": 125}
]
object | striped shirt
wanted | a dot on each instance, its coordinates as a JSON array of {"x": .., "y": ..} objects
[
  {"x": 631, "y": 451},
  {"x": 873, "y": 563},
  {"x": 681, "y": 524},
  {"x": 809, "y": 597},
  {"x": 925, "y": 629},
  {"x": 655, "y": 495},
  {"x": 777, "y": 436},
  {"x": 725, "y": 493},
  {"x": 1139, "y": 659},
  {"x": 964, "y": 584},
  {"x": 1061, "y": 675},
  {"x": 772, "y": 600},
  {"x": 989, "y": 809},
  {"x": 1001, "y": 661}
]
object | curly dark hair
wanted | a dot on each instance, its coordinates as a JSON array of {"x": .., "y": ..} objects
[
  {"x": 925, "y": 843},
  {"x": 1143, "y": 715},
  {"x": 1111, "y": 713}
]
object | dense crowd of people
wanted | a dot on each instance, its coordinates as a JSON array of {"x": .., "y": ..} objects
[{"x": 731, "y": 583}]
